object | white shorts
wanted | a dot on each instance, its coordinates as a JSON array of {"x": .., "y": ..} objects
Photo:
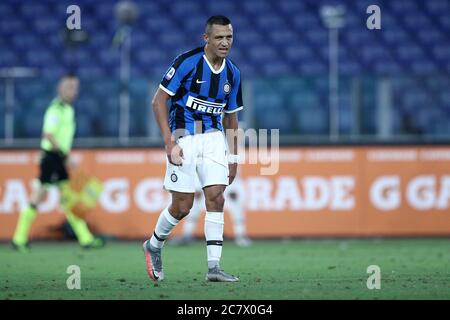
[{"x": 205, "y": 157}]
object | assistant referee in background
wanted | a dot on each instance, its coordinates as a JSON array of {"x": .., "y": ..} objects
[{"x": 57, "y": 137}]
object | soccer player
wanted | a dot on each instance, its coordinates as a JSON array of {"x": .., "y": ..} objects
[
  {"x": 58, "y": 132},
  {"x": 200, "y": 84},
  {"x": 234, "y": 204}
]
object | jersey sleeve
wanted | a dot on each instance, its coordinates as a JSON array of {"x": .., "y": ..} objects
[
  {"x": 52, "y": 119},
  {"x": 171, "y": 81},
  {"x": 235, "y": 102}
]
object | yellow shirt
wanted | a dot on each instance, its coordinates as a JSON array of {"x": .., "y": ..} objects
[{"x": 59, "y": 120}]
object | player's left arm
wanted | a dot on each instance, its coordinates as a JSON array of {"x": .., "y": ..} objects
[{"x": 230, "y": 124}]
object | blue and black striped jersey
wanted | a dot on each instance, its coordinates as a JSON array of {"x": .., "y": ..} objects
[{"x": 199, "y": 93}]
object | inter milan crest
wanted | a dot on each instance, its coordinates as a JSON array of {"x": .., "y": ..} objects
[
  {"x": 173, "y": 177},
  {"x": 227, "y": 87}
]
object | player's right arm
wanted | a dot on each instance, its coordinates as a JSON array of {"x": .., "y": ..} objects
[
  {"x": 159, "y": 103},
  {"x": 51, "y": 138},
  {"x": 169, "y": 85}
]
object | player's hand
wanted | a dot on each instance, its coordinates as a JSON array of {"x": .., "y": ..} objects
[
  {"x": 174, "y": 154},
  {"x": 232, "y": 169}
]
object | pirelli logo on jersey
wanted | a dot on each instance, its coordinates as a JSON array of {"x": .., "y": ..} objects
[{"x": 205, "y": 106}]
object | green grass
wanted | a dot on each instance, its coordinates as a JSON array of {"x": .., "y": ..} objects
[{"x": 300, "y": 269}]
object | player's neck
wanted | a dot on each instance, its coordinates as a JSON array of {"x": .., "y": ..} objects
[
  {"x": 215, "y": 61},
  {"x": 65, "y": 102}
]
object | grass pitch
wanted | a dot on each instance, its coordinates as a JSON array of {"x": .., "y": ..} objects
[{"x": 297, "y": 269}]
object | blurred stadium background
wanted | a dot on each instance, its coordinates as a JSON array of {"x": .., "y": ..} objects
[
  {"x": 281, "y": 47},
  {"x": 367, "y": 116}
]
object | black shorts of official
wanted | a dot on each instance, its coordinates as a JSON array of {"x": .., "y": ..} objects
[{"x": 53, "y": 168}]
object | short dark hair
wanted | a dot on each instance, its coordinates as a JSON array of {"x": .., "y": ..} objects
[
  {"x": 220, "y": 20},
  {"x": 70, "y": 75}
]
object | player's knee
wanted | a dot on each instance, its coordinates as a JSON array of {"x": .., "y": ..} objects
[
  {"x": 184, "y": 209},
  {"x": 180, "y": 209},
  {"x": 216, "y": 202}
]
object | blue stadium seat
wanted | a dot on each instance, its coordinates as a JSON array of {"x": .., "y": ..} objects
[
  {"x": 227, "y": 8},
  {"x": 426, "y": 117},
  {"x": 403, "y": 6},
  {"x": 441, "y": 52},
  {"x": 312, "y": 120},
  {"x": 85, "y": 126},
  {"x": 436, "y": 7},
  {"x": 5, "y": 10},
  {"x": 249, "y": 37},
  {"x": 289, "y": 86},
  {"x": 139, "y": 88},
  {"x": 444, "y": 22},
  {"x": 182, "y": 8},
  {"x": 415, "y": 100},
  {"x": 12, "y": 26},
  {"x": 282, "y": 36},
  {"x": 312, "y": 67},
  {"x": 8, "y": 58},
  {"x": 90, "y": 70},
  {"x": 34, "y": 9},
  {"x": 25, "y": 42},
  {"x": 172, "y": 39},
  {"x": 262, "y": 54},
  {"x": 105, "y": 88},
  {"x": 46, "y": 25},
  {"x": 305, "y": 21},
  {"x": 52, "y": 72},
  {"x": 256, "y": 7},
  {"x": 304, "y": 99},
  {"x": 277, "y": 68},
  {"x": 268, "y": 99},
  {"x": 410, "y": 52},
  {"x": 140, "y": 116},
  {"x": 31, "y": 123},
  {"x": 291, "y": 7},
  {"x": 349, "y": 67},
  {"x": 109, "y": 125},
  {"x": 240, "y": 23},
  {"x": 104, "y": 11},
  {"x": 88, "y": 106},
  {"x": 445, "y": 100},
  {"x": 276, "y": 119},
  {"x": 412, "y": 20},
  {"x": 356, "y": 38},
  {"x": 41, "y": 58},
  {"x": 372, "y": 54},
  {"x": 345, "y": 114},
  {"x": 299, "y": 52},
  {"x": 269, "y": 22},
  {"x": 77, "y": 57},
  {"x": 318, "y": 37},
  {"x": 39, "y": 104},
  {"x": 423, "y": 67},
  {"x": 387, "y": 67},
  {"x": 29, "y": 90},
  {"x": 394, "y": 36},
  {"x": 2, "y": 123},
  {"x": 431, "y": 36},
  {"x": 98, "y": 40},
  {"x": 162, "y": 22}
]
